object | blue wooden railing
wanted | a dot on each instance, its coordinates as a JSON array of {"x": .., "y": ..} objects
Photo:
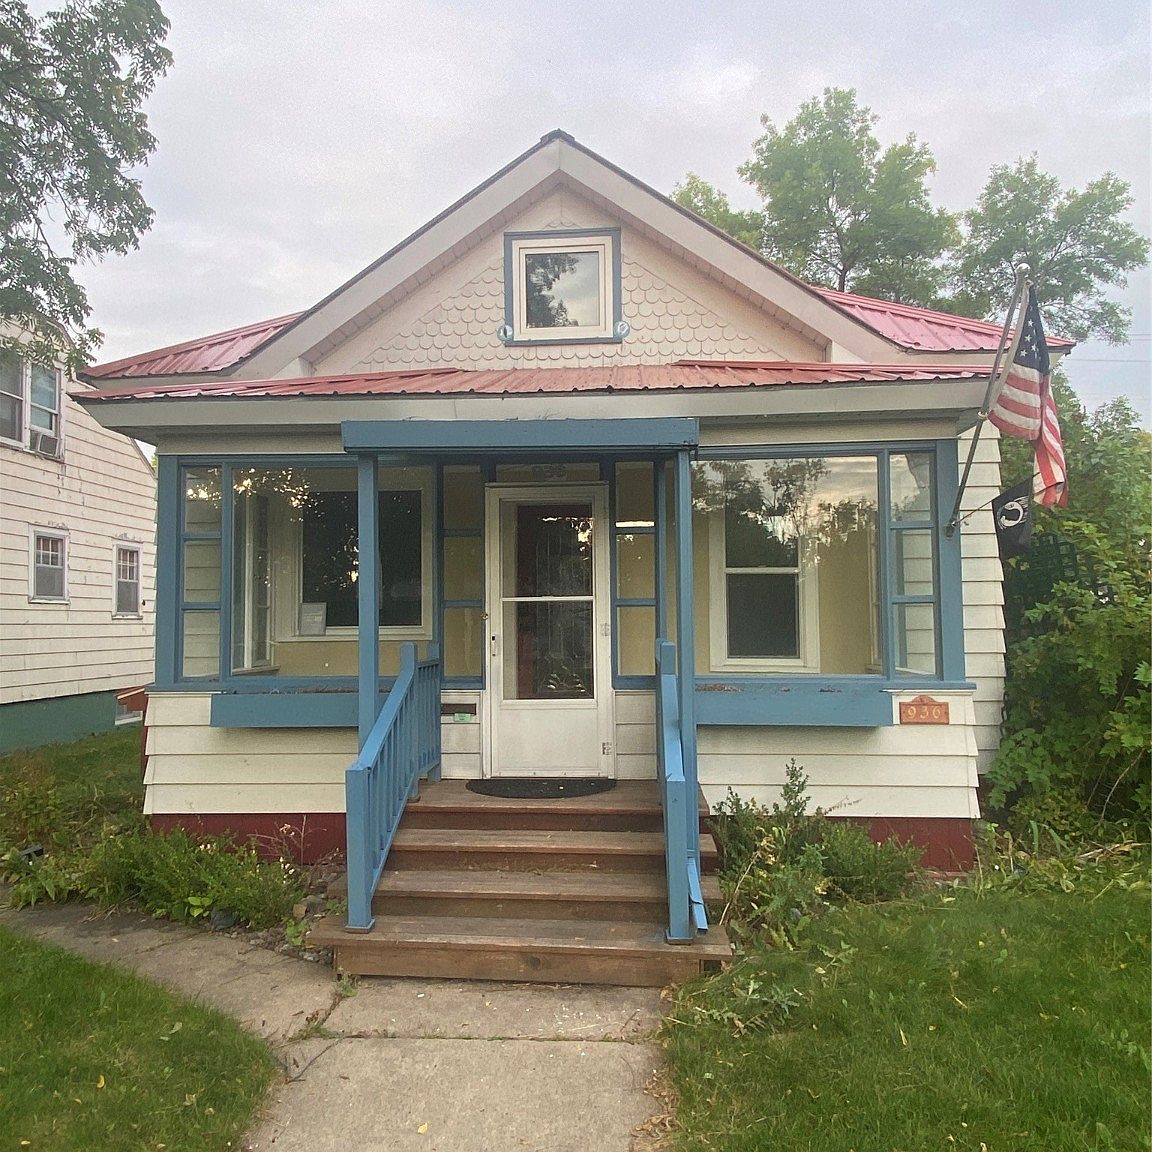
[
  {"x": 402, "y": 748},
  {"x": 686, "y": 913}
]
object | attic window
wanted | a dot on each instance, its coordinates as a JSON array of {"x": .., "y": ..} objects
[{"x": 562, "y": 287}]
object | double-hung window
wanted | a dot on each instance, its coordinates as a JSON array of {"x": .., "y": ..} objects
[
  {"x": 126, "y": 579},
  {"x": 562, "y": 286},
  {"x": 30, "y": 404},
  {"x": 49, "y": 565},
  {"x": 822, "y": 563},
  {"x": 11, "y": 396}
]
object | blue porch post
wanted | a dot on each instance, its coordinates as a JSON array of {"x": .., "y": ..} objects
[
  {"x": 361, "y": 788},
  {"x": 368, "y": 591},
  {"x": 660, "y": 508},
  {"x": 686, "y": 645}
]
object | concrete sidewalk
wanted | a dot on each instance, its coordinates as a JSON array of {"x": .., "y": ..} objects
[{"x": 430, "y": 1065}]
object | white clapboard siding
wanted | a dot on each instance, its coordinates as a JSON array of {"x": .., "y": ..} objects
[
  {"x": 101, "y": 494},
  {"x": 193, "y": 767},
  {"x": 983, "y": 593}
]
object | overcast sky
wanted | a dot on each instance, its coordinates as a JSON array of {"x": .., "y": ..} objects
[{"x": 298, "y": 141}]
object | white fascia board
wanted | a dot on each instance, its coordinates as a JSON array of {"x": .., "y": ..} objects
[
  {"x": 420, "y": 250},
  {"x": 293, "y": 415},
  {"x": 774, "y": 287}
]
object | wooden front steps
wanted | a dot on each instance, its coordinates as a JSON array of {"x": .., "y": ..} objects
[{"x": 565, "y": 891}]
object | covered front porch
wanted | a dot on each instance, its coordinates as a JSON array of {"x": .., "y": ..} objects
[{"x": 570, "y": 527}]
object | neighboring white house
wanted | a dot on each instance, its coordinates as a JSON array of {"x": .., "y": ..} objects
[
  {"x": 77, "y": 560},
  {"x": 521, "y": 401}
]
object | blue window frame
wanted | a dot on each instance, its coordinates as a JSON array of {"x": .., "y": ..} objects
[
  {"x": 202, "y": 540},
  {"x": 915, "y": 597}
]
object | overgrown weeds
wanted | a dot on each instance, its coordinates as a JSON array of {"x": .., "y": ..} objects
[
  {"x": 70, "y": 828},
  {"x": 784, "y": 865}
]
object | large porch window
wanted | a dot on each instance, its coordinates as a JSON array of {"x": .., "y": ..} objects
[
  {"x": 270, "y": 554},
  {"x": 819, "y": 563}
]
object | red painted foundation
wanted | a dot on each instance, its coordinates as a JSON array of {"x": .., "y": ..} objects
[
  {"x": 311, "y": 836},
  {"x": 304, "y": 836},
  {"x": 946, "y": 841}
]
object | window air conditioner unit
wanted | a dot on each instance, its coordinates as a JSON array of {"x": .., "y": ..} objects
[{"x": 44, "y": 443}]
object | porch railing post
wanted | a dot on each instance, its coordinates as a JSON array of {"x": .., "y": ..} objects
[
  {"x": 674, "y": 794},
  {"x": 368, "y": 591}
]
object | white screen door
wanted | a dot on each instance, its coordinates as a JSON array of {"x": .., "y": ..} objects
[{"x": 549, "y": 648}]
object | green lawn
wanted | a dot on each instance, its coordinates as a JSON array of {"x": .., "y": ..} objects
[
  {"x": 994, "y": 1021},
  {"x": 92, "y": 1058}
]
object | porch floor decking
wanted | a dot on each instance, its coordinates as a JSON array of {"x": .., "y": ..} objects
[{"x": 571, "y": 890}]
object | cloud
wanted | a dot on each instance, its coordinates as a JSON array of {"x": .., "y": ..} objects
[{"x": 300, "y": 141}]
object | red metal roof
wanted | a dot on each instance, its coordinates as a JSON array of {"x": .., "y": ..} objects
[
  {"x": 922, "y": 329},
  {"x": 918, "y": 329},
  {"x": 208, "y": 354},
  {"x": 687, "y": 375}
]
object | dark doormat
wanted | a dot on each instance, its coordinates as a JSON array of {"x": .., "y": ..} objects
[{"x": 539, "y": 788}]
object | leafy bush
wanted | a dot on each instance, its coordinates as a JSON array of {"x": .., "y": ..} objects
[
  {"x": 1078, "y": 710},
  {"x": 860, "y": 869},
  {"x": 782, "y": 865}
]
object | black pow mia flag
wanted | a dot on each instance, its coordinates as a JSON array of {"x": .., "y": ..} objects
[{"x": 1012, "y": 511}]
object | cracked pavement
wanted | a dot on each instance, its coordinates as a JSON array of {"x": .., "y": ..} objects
[{"x": 400, "y": 1064}]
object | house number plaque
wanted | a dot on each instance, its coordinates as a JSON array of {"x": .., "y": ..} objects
[{"x": 923, "y": 710}]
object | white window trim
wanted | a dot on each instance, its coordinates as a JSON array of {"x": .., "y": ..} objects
[
  {"x": 128, "y": 546},
  {"x": 61, "y": 534},
  {"x": 808, "y": 597},
  {"x": 603, "y": 245},
  {"x": 423, "y": 630},
  {"x": 27, "y": 430}
]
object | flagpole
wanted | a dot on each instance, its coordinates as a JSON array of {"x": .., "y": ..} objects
[{"x": 995, "y": 383}]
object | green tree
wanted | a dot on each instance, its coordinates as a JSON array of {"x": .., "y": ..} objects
[
  {"x": 1074, "y": 241},
  {"x": 708, "y": 202},
  {"x": 840, "y": 211},
  {"x": 72, "y": 83}
]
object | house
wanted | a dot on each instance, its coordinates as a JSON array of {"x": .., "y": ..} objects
[
  {"x": 77, "y": 559},
  {"x": 566, "y": 484}
]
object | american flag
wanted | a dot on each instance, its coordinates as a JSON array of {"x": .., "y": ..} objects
[{"x": 1024, "y": 408}]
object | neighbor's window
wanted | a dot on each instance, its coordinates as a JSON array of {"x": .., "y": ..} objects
[
  {"x": 563, "y": 286},
  {"x": 49, "y": 566},
  {"x": 814, "y": 568},
  {"x": 11, "y": 396},
  {"x": 29, "y": 404},
  {"x": 127, "y": 579}
]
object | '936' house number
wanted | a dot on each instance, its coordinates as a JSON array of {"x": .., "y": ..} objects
[{"x": 923, "y": 710}]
